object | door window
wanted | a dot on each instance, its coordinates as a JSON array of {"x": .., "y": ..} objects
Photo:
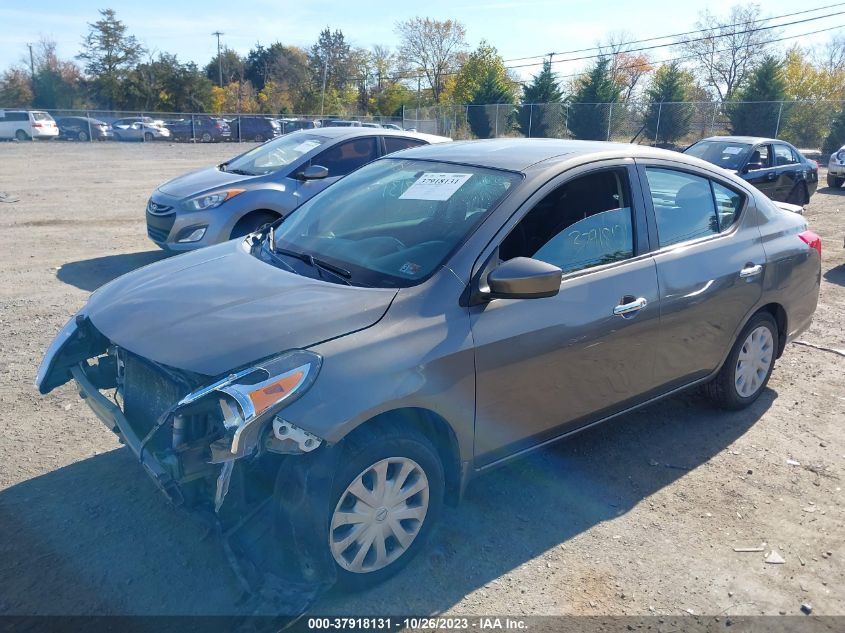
[
  {"x": 348, "y": 156},
  {"x": 783, "y": 156},
  {"x": 728, "y": 204},
  {"x": 583, "y": 223},
  {"x": 395, "y": 143},
  {"x": 683, "y": 205},
  {"x": 760, "y": 158}
]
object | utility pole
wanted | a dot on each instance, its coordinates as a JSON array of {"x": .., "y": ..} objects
[
  {"x": 550, "y": 58},
  {"x": 323, "y": 93},
  {"x": 31, "y": 66},
  {"x": 219, "y": 58}
]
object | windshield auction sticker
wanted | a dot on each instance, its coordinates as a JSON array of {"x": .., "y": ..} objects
[
  {"x": 431, "y": 186},
  {"x": 306, "y": 146}
]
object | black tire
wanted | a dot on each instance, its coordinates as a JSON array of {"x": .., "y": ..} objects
[
  {"x": 251, "y": 223},
  {"x": 82, "y": 136},
  {"x": 21, "y": 135},
  {"x": 798, "y": 195},
  {"x": 148, "y": 137},
  {"x": 834, "y": 182},
  {"x": 722, "y": 389},
  {"x": 206, "y": 137},
  {"x": 363, "y": 451},
  {"x": 259, "y": 138}
]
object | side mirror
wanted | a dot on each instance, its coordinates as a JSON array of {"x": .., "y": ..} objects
[
  {"x": 314, "y": 172},
  {"x": 524, "y": 278}
]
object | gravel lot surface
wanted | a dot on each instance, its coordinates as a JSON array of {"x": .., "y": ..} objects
[{"x": 639, "y": 516}]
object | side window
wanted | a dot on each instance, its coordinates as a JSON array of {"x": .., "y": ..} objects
[
  {"x": 796, "y": 156},
  {"x": 760, "y": 158},
  {"x": 17, "y": 116},
  {"x": 728, "y": 204},
  {"x": 783, "y": 156},
  {"x": 584, "y": 223},
  {"x": 395, "y": 143},
  {"x": 346, "y": 157},
  {"x": 683, "y": 205}
]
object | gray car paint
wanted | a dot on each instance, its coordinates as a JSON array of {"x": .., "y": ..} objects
[
  {"x": 277, "y": 193},
  {"x": 435, "y": 351}
]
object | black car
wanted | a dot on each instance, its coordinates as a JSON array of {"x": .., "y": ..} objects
[
  {"x": 292, "y": 125},
  {"x": 80, "y": 128},
  {"x": 200, "y": 128},
  {"x": 773, "y": 166},
  {"x": 254, "y": 128}
]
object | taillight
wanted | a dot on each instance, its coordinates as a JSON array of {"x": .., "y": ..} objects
[
  {"x": 217, "y": 125},
  {"x": 36, "y": 125},
  {"x": 812, "y": 240}
]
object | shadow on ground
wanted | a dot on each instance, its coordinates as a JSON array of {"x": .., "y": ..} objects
[
  {"x": 833, "y": 191},
  {"x": 836, "y": 275},
  {"x": 95, "y": 537},
  {"x": 90, "y": 274}
]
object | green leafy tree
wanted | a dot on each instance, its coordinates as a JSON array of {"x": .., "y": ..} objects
[
  {"x": 57, "y": 83},
  {"x": 109, "y": 53},
  {"x": 667, "y": 117},
  {"x": 483, "y": 60},
  {"x": 589, "y": 111},
  {"x": 333, "y": 54},
  {"x": 166, "y": 84},
  {"x": 233, "y": 67},
  {"x": 485, "y": 111},
  {"x": 836, "y": 138},
  {"x": 15, "y": 88},
  {"x": 540, "y": 113},
  {"x": 756, "y": 107}
]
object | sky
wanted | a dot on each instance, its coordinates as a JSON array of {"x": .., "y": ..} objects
[{"x": 518, "y": 29}]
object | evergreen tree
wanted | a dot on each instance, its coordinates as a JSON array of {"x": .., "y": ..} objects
[
  {"x": 109, "y": 53},
  {"x": 589, "y": 112},
  {"x": 668, "y": 117},
  {"x": 535, "y": 118},
  {"x": 756, "y": 108},
  {"x": 485, "y": 118},
  {"x": 836, "y": 138}
]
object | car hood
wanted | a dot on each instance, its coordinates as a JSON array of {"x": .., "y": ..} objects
[
  {"x": 216, "y": 309},
  {"x": 198, "y": 182}
]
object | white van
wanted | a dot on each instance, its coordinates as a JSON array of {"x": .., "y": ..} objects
[{"x": 27, "y": 124}]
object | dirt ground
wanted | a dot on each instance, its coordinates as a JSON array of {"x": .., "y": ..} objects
[{"x": 639, "y": 516}]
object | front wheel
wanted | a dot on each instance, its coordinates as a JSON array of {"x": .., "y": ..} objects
[
  {"x": 83, "y": 136},
  {"x": 387, "y": 496},
  {"x": 748, "y": 367},
  {"x": 834, "y": 182},
  {"x": 148, "y": 137},
  {"x": 206, "y": 137}
]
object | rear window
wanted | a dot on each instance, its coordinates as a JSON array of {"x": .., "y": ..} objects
[{"x": 41, "y": 116}]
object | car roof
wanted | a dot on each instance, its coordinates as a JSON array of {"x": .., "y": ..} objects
[
  {"x": 518, "y": 154},
  {"x": 751, "y": 140},
  {"x": 352, "y": 132}
]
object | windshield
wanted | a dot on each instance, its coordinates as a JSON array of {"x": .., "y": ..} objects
[
  {"x": 721, "y": 153},
  {"x": 276, "y": 154},
  {"x": 393, "y": 222}
]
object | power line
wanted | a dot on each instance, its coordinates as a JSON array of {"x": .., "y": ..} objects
[{"x": 664, "y": 37}]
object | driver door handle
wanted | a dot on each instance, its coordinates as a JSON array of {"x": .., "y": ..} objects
[
  {"x": 629, "y": 308},
  {"x": 750, "y": 271}
]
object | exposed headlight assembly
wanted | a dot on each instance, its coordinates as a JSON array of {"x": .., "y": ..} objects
[
  {"x": 212, "y": 200},
  {"x": 257, "y": 393}
]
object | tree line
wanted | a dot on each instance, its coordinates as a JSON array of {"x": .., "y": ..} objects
[{"x": 732, "y": 59}]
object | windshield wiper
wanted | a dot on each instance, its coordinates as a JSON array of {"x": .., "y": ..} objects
[
  {"x": 241, "y": 172},
  {"x": 321, "y": 265}
]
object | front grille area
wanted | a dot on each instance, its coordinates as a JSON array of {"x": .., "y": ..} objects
[
  {"x": 158, "y": 226},
  {"x": 147, "y": 393}
]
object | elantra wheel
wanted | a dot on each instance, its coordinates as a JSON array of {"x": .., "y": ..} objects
[{"x": 749, "y": 365}]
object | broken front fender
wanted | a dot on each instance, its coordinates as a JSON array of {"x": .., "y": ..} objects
[{"x": 76, "y": 341}]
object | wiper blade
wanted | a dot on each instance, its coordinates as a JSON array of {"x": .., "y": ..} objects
[
  {"x": 241, "y": 172},
  {"x": 319, "y": 264}
]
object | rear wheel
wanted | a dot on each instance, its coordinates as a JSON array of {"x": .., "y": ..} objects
[
  {"x": 21, "y": 135},
  {"x": 259, "y": 138},
  {"x": 798, "y": 195},
  {"x": 748, "y": 367},
  {"x": 82, "y": 136},
  {"x": 833, "y": 181}
]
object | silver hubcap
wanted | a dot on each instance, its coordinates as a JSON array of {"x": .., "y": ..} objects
[
  {"x": 379, "y": 515},
  {"x": 754, "y": 361}
]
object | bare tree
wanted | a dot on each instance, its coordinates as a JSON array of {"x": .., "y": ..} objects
[
  {"x": 626, "y": 69},
  {"x": 832, "y": 55},
  {"x": 383, "y": 61},
  {"x": 430, "y": 47},
  {"x": 728, "y": 49}
]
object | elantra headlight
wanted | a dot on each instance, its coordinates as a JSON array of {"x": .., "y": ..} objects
[
  {"x": 255, "y": 394},
  {"x": 212, "y": 200}
]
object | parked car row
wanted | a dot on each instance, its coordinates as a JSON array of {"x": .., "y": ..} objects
[{"x": 371, "y": 342}]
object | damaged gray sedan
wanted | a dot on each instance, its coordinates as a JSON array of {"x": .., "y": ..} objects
[{"x": 328, "y": 383}]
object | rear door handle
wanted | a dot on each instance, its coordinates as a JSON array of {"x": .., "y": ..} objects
[
  {"x": 629, "y": 308},
  {"x": 750, "y": 271}
]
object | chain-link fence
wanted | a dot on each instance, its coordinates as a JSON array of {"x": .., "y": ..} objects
[
  {"x": 669, "y": 124},
  {"x": 674, "y": 124},
  {"x": 146, "y": 127}
]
